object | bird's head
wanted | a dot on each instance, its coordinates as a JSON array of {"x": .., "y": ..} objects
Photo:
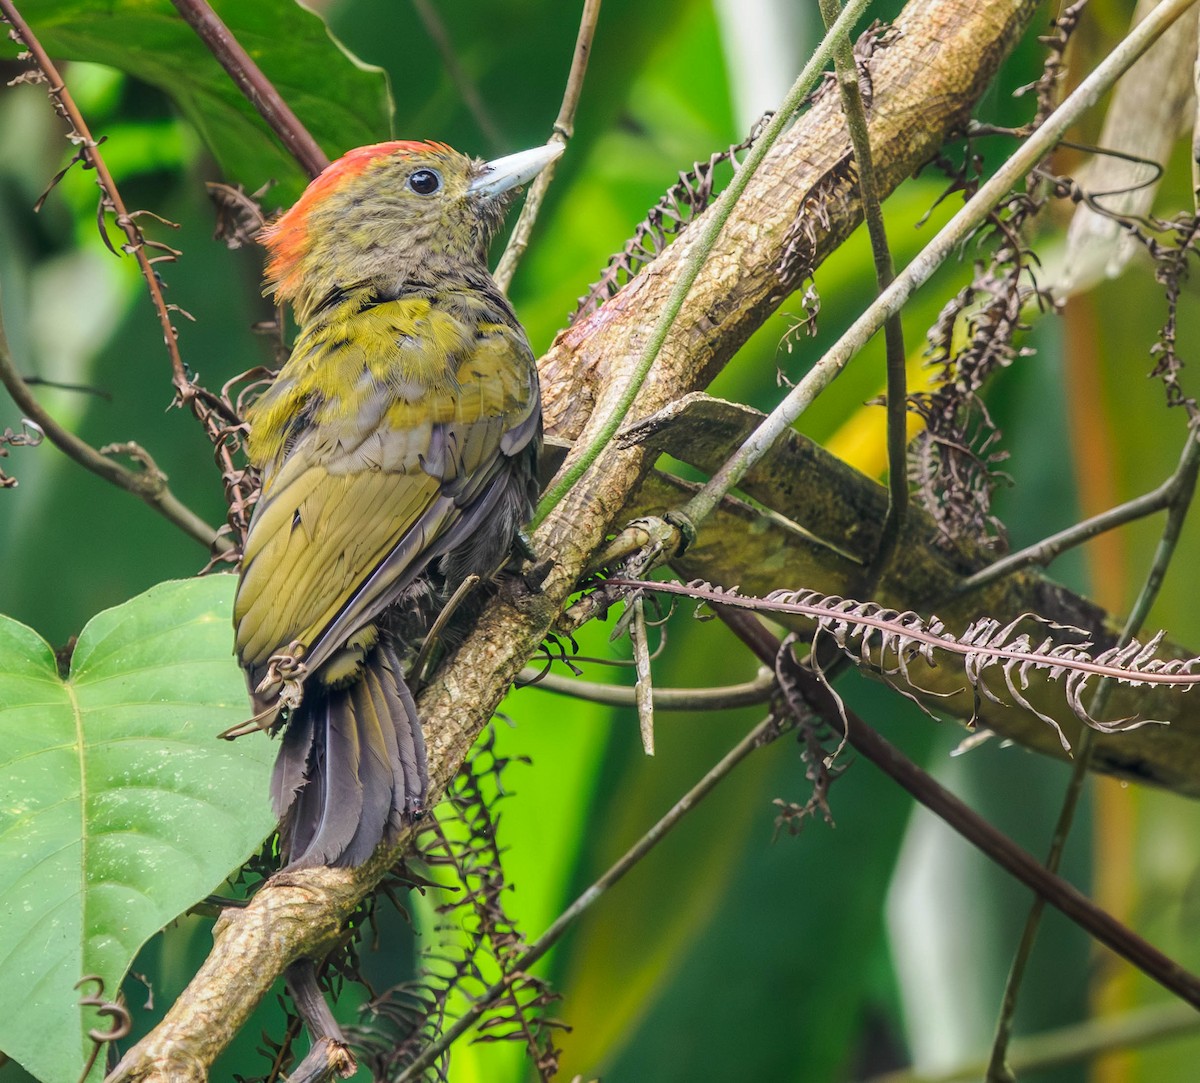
[{"x": 393, "y": 210}]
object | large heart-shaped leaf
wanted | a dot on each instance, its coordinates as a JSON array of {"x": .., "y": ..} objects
[{"x": 119, "y": 808}]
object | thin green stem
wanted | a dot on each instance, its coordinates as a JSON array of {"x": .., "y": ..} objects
[
  {"x": 1184, "y": 486},
  {"x": 1073, "y": 1044},
  {"x": 1044, "y": 551},
  {"x": 893, "y": 328},
  {"x": 722, "y": 698},
  {"x": 758, "y": 736},
  {"x": 964, "y": 820},
  {"x": 948, "y": 241},
  {"x": 690, "y": 267}
]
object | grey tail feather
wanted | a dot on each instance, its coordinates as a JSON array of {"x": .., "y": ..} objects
[{"x": 351, "y": 767}]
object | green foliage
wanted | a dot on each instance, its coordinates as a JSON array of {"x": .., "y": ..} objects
[
  {"x": 120, "y": 808},
  {"x": 349, "y": 104},
  {"x": 722, "y": 955}
]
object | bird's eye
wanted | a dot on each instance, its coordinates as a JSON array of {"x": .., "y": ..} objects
[{"x": 425, "y": 181}]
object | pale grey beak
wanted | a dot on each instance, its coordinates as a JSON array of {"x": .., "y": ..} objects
[{"x": 514, "y": 169}]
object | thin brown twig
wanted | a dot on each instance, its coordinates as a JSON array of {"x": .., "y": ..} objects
[
  {"x": 220, "y": 422},
  {"x": 564, "y": 128},
  {"x": 148, "y": 484},
  {"x": 329, "y": 1056},
  {"x": 974, "y": 828},
  {"x": 89, "y": 150},
  {"x": 643, "y": 690},
  {"x": 256, "y": 87}
]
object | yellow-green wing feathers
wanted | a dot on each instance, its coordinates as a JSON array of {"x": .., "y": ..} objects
[
  {"x": 329, "y": 531},
  {"x": 384, "y": 422}
]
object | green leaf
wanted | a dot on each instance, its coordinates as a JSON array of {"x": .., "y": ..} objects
[
  {"x": 341, "y": 101},
  {"x": 119, "y": 808}
]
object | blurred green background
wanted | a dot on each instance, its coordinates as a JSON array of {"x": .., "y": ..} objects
[{"x": 728, "y": 953}]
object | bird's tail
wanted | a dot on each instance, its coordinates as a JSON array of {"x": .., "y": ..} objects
[{"x": 351, "y": 766}]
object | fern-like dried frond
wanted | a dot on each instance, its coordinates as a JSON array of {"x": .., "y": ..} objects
[
  {"x": 406, "y": 1019},
  {"x": 887, "y": 642}
]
